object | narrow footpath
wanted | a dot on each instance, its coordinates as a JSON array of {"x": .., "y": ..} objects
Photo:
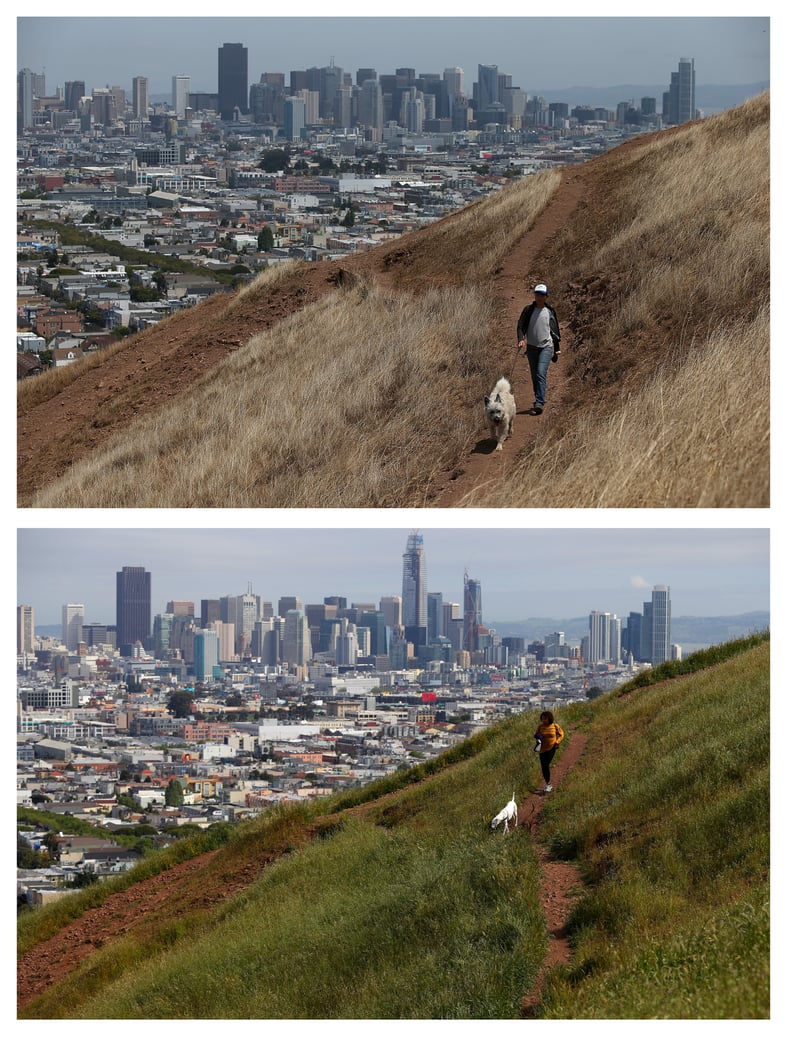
[{"x": 562, "y": 883}]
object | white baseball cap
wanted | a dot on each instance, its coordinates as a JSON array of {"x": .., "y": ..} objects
[{"x": 542, "y": 289}]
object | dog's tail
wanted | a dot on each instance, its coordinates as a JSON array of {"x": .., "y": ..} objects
[{"x": 502, "y": 386}]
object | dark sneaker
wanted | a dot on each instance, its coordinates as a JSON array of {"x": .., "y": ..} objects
[{"x": 536, "y": 410}]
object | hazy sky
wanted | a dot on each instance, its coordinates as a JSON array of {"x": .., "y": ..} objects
[
  {"x": 539, "y": 52},
  {"x": 558, "y": 573}
]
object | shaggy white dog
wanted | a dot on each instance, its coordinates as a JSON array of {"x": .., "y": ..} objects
[
  {"x": 500, "y": 410},
  {"x": 508, "y": 814}
]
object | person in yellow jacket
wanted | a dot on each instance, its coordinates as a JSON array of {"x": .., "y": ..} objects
[{"x": 548, "y": 738}]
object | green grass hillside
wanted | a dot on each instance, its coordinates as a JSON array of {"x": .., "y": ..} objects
[{"x": 407, "y": 906}]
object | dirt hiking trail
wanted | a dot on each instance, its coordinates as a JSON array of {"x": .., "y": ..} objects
[
  {"x": 513, "y": 288},
  {"x": 163, "y": 362},
  {"x": 562, "y": 883},
  {"x": 207, "y": 882}
]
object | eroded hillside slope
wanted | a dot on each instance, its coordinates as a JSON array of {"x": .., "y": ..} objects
[{"x": 635, "y": 298}]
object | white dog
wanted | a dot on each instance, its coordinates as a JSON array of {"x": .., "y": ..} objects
[
  {"x": 508, "y": 814},
  {"x": 500, "y": 410}
]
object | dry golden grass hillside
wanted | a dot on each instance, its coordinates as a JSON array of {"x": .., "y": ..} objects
[{"x": 361, "y": 384}]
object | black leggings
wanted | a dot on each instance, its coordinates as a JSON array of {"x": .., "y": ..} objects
[{"x": 544, "y": 760}]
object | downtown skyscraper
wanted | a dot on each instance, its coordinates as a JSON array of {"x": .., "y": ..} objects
[
  {"x": 415, "y": 606},
  {"x": 232, "y": 79},
  {"x": 133, "y": 606},
  {"x": 679, "y": 101},
  {"x": 472, "y": 613},
  {"x": 661, "y": 624}
]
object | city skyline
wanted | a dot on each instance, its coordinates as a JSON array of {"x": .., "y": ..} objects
[
  {"x": 608, "y": 50},
  {"x": 523, "y": 573}
]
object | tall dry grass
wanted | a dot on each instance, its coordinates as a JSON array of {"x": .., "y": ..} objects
[
  {"x": 470, "y": 245},
  {"x": 353, "y": 402},
  {"x": 359, "y": 400},
  {"x": 694, "y": 222},
  {"x": 34, "y": 391},
  {"x": 696, "y": 436}
]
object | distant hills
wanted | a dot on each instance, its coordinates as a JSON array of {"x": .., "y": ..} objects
[
  {"x": 691, "y": 632},
  {"x": 710, "y": 98}
]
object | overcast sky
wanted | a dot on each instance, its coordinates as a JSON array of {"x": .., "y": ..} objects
[
  {"x": 559, "y": 573},
  {"x": 539, "y": 52}
]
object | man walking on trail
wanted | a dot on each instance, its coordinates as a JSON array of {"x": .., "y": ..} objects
[{"x": 537, "y": 331}]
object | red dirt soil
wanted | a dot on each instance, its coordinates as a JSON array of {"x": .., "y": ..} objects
[{"x": 207, "y": 881}]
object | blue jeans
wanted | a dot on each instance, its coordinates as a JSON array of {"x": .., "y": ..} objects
[{"x": 539, "y": 361}]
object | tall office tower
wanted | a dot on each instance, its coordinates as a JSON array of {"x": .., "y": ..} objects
[
  {"x": 554, "y": 644},
  {"x": 267, "y": 98},
  {"x": 413, "y": 111},
  {"x": 434, "y": 615},
  {"x": 140, "y": 97},
  {"x": 632, "y": 639},
  {"x": 180, "y": 95},
  {"x": 26, "y": 628},
  {"x": 391, "y": 609},
  {"x": 374, "y": 620},
  {"x": 25, "y": 94},
  {"x": 287, "y": 602},
  {"x": 293, "y": 118},
  {"x": 225, "y": 640},
  {"x": 645, "y": 654},
  {"x": 370, "y": 104},
  {"x": 648, "y": 105},
  {"x": 206, "y": 654},
  {"x": 74, "y": 92},
  {"x": 210, "y": 610},
  {"x": 679, "y": 101},
  {"x": 342, "y": 107},
  {"x": 414, "y": 589},
  {"x": 264, "y": 642},
  {"x": 599, "y": 637},
  {"x": 455, "y": 81},
  {"x": 133, "y": 605},
  {"x": 181, "y": 608},
  {"x": 296, "y": 638},
  {"x": 330, "y": 80},
  {"x": 615, "y": 643},
  {"x": 247, "y": 612},
  {"x": 472, "y": 613},
  {"x": 317, "y": 616},
  {"x": 486, "y": 87},
  {"x": 687, "y": 90},
  {"x": 661, "y": 624},
  {"x": 346, "y": 644},
  {"x": 163, "y": 632},
  {"x": 451, "y": 611},
  {"x": 515, "y": 101},
  {"x": 232, "y": 79},
  {"x": 103, "y": 106},
  {"x": 460, "y": 112},
  {"x": 72, "y": 618},
  {"x": 363, "y": 74}
]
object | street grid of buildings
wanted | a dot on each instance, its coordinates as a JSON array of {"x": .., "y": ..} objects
[{"x": 258, "y": 173}]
